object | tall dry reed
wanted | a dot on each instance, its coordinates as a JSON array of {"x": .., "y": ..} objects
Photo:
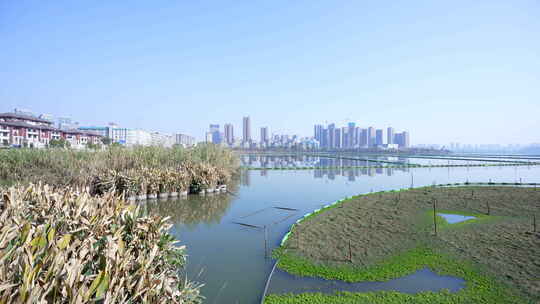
[
  {"x": 67, "y": 246},
  {"x": 132, "y": 171}
]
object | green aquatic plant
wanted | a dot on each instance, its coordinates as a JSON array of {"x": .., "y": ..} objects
[{"x": 481, "y": 288}]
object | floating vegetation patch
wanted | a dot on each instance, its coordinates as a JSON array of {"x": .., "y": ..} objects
[{"x": 389, "y": 234}]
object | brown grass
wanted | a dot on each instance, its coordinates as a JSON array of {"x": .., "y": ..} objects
[{"x": 382, "y": 225}]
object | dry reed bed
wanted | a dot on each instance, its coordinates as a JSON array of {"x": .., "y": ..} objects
[
  {"x": 67, "y": 246},
  {"x": 133, "y": 171}
]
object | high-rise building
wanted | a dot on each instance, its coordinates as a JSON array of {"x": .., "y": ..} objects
[
  {"x": 379, "y": 137},
  {"x": 246, "y": 131},
  {"x": 371, "y": 136},
  {"x": 351, "y": 142},
  {"x": 331, "y": 136},
  {"x": 402, "y": 139},
  {"x": 216, "y": 136},
  {"x": 264, "y": 135},
  {"x": 344, "y": 138},
  {"x": 229, "y": 134},
  {"x": 357, "y": 132},
  {"x": 338, "y": 139},
  {"x": 390, "y": 135},
  {"x": 317, "y": 130},
  {"x": 324, "y": 138},
  {"x": 364, "y": 138},
  {"x": 406, "y": 139}
]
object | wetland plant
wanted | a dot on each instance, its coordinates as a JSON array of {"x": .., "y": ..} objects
[{"x": 67, "y": 246}]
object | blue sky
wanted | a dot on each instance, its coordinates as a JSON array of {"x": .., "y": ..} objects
[{"x": 465, "y": 71}]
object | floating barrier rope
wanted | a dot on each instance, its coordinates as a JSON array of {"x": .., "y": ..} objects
[{"x": 397, "y": 167}]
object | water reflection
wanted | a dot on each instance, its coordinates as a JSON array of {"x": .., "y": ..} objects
[
  {"x": 420, "y": 281},
  {"x": 245, "y": 177},
  {"x": 302, "y": 161},
  {"x": 194, "y": 209},
  {"x": 353, "y": 173}
]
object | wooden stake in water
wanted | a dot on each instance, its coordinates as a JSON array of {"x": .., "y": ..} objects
[
  {"x": 534, "y": 223},
  {"x": 265, "y": 243},
  {"x": 488, "y": 209},
  {"x": 350, "y": 252},
  {"x": 435, "y": 216}
]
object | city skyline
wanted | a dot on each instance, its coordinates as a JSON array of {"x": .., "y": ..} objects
[
  {"x": 327, "y": 136},
  {"x": 227, "y": 136}
]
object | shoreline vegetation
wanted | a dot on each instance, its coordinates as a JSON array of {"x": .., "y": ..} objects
[
  {"x": 385, "y": 235},
  {"x": 69, "y": 235},
  {"x": 68, "y": 246},
  {"x": 128, "y": 171}
]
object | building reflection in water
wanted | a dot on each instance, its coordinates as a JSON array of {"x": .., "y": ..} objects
[
  {"x": 210, "y": 208},
  {"x": 302, "y": 161},
  {"x": 245, "y": 177},
  {"x": 322, "y": 166}
]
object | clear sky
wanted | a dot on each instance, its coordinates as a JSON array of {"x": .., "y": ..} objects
[{"x": 465, "y": 71}]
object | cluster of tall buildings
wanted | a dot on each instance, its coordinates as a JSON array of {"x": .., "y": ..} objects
[
  {"x": 329, "y": 137},
  {"x": 266, "y": 140},
  {"x": 216, "y": 136},
  {"x": 351, "y": 136}
]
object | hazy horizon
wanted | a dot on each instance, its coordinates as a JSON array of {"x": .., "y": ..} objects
[{"x": 466, "y": 72}]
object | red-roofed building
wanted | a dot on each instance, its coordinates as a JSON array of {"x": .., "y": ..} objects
[{"x": 22, "y": 130}]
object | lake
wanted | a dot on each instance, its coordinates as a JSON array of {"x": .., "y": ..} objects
[{"x": 225, "y": 234}]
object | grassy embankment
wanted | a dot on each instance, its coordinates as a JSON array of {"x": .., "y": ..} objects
[
  {"x": 140, "y": 170},
  {"x": 392, "y": 235}
]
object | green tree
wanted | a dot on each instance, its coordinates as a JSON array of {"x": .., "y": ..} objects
[{"x": 59, "y": 143}]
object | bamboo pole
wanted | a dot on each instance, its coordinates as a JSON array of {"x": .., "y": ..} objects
[{"x": 435, "y": 216}]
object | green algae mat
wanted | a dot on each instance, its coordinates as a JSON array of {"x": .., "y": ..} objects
[{"x": 382, "y": 236}]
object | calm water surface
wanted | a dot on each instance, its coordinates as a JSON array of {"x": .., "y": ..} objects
[
  {"x": 231, "y": 259},
  {"x": 455, "y": 218}
]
